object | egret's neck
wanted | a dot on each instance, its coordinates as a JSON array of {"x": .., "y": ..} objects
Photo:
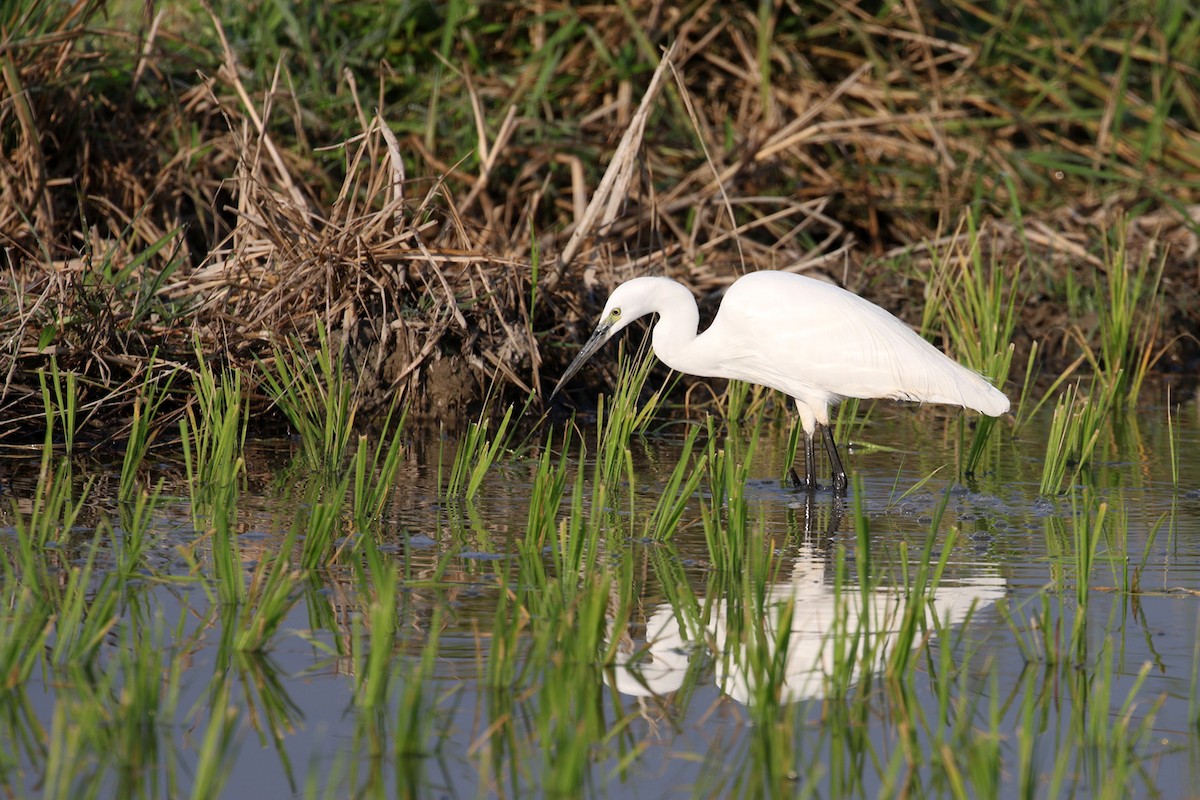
[{"x": 675, "y": 332}]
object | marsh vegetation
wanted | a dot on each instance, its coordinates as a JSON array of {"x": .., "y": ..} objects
[{"x": 283, "y": 509}]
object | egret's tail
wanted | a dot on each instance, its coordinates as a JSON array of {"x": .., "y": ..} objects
[
  {"x": 955, "y": 385},
  {"x": 992, "y": 402},
  {"x": 972, "y": 390}
]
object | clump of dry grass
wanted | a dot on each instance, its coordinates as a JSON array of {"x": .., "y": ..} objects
[
  {"x": 163, "y": 194},
  {"x": 406, "y": 282}
]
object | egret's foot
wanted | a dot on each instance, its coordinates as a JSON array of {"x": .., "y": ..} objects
[
  {"x": 838, "y": 488},
  {"x": 798, "y": 483}
]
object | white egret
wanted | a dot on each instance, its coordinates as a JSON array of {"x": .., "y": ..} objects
[{"x": 814, "y": 341}]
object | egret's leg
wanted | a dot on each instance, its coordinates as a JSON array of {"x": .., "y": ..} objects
[
  {"x": 835, "y": 461},
  {"x": 810, "y": 461}
]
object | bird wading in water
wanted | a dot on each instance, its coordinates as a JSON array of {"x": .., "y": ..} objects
[{"x": 814, "y": 341}]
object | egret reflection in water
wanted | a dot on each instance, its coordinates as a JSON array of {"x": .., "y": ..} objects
[{"x": 819, "y": 614}]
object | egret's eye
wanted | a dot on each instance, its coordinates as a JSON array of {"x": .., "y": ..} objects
[{"x": 616, "y": 313}]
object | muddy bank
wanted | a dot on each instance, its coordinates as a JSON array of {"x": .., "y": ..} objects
[{"x": 462, "y": 255}]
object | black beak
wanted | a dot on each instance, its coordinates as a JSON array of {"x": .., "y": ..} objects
[{"x": 598, "y": 338}]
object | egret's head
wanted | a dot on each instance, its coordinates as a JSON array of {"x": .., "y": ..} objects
[{"x": 629, "y": 301}]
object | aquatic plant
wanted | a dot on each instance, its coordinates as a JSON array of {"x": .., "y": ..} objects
[
  {"x": 316, "y": 394},
  {"x": 268, "y": 598},
  {"x": 548, "y": 489},
  {"x": 213, "y": 436},
  {"x": 54, "y": 507},
  {"x": 724, "y": 514},
  {"x": 1173, "y": 442},
  {"x": 976, "y": 305},
  {"x": 375, "y": 469},
  {"x": 1028, "y": 408},
  {"x": 1129, "y": 319},
  {"x": 144, "y": 425},
  {"x": 678, "y": 491},
  {"x": 373, "y": 638},
  {"x": 319, "y": 522},
  {"x": 619, "y": 417},
  {"x": 136, "y": 534},
  {"x": 476, "y": 454},
  {"x": 1074, "y": 433},
  {"x": 60, "y": 403},
  {"x": 1088, "y": 528}
]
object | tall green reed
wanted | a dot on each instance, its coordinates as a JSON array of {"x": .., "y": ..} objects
[
  {"x": 1075, "y": 431},
  {"x": 976, "y": 305},
  {"x": 375, "y": 470},
  {"x": 1088, "y": 517},
  {"x": 317, "y": 395},
  {"x": 477, "y": 454},
  {"x": 676, "y": 494},
  {"x": 143, "y": 428},
  {"x": 373, "y": 638},
  {"x": 1128, "y": 312},
  {"x": 318, "y": 525},
  {"x": 213, "y": 435},
  {"x": 1174, "y": 445},
  {"x": 85, "y": 609},
  {"x": 619, "y": 418},
  {"x": 136, "y": 531},
  {"x": 550, "y": 481},
  {"x": 60, "y": 400},
  {"x": 55, "y": 507},
  {"x": 564, "y": 596},
  {"x": 1028, "y": 408},
  {"x": 724, "y": 516},
  {"x": 919, "y": 588},
  {"x": 268, "y": 597}
]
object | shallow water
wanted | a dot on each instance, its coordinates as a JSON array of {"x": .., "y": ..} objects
[{"x": 683, "y": 706}]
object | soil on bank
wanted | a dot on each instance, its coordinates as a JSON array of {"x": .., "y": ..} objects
[{"x": 166, "y": 198}]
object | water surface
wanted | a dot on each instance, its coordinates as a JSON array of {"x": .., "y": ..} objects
[{"x": 708, "y": 676}]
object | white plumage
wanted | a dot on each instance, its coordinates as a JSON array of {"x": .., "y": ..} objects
[{"x": 812, "y": 340}]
